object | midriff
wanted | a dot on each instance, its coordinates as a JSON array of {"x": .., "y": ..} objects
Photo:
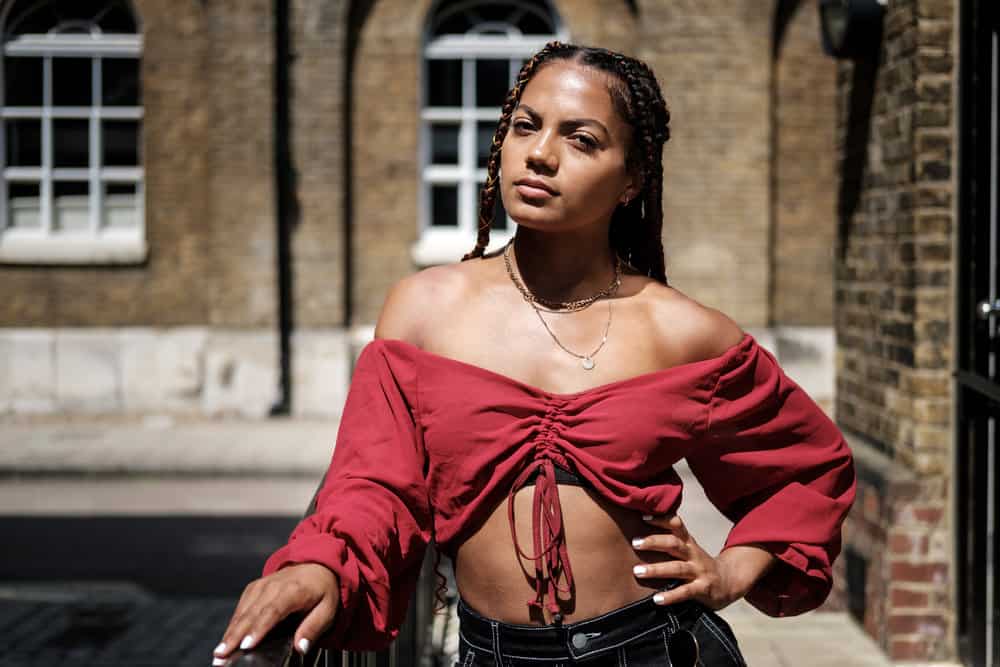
[{"x": 497, "y": 582}]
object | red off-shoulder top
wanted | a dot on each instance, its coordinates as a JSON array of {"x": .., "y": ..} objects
[{"x": 427, "y": 445}]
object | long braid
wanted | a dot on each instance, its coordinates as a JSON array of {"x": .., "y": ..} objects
[
  {"x": 643, "y": 232},
  {"x": 636, "y": 228}
]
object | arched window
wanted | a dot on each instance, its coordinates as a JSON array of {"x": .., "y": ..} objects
[
  {"x": 72, "y": 186},
  {"x": 473, "y": 50}
]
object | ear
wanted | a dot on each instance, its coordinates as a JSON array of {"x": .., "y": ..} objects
[
  {"x": 633, "y": 183},
  {"x": 632, "y": 187}
]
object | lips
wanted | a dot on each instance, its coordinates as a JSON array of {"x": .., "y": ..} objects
[{"x": 535, "y": 186}]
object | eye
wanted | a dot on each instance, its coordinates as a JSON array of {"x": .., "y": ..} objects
[
  {"x": 521, "y": 124},
  {"x": 587, "y": 141}
]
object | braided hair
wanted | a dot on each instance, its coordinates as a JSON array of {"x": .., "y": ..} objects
[{"x": 636, "y": 227}]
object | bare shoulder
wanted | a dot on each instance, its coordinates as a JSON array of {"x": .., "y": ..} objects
[
  {"x": 414, "y": 300},
  {"x": 691, "y": 331}
]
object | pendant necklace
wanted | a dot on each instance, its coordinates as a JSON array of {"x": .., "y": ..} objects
[{"x": 586, "y": 360}]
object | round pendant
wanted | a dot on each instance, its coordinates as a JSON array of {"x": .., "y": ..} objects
[{"x": 587, "y": 363}]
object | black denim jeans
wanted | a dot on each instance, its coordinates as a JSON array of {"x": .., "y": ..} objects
[{"x": 640, "y": 634}]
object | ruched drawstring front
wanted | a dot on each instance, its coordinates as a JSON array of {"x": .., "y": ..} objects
[{"x": 551, "y": 558}]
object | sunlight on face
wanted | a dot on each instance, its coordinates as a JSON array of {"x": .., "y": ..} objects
[{"x": 566, "y": 137}]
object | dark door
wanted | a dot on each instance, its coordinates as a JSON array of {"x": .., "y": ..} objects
[{"x": 978, "y": 377}]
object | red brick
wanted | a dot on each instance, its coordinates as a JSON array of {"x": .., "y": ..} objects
[
  {"x": 922, "y": 624},
  {"x": 928, "y": 515},
  {"x": 902, "y": 597},
  {"x": 918, "y": 572},
  {"x": 909, "y": 649}
]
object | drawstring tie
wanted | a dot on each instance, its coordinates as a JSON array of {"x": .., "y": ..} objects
[{"x": 551, "y": 557}]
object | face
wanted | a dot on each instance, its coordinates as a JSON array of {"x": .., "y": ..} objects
[{"x": 566, "y": 136}]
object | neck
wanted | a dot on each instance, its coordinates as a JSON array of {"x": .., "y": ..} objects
[{"x": 565, "y": 266}]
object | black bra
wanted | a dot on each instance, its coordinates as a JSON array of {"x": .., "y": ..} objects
[{"x": 563, "y": 476}]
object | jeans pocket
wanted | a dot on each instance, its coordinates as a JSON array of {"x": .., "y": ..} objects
[
  {"x": 717, "y": 643},
  {"x": 472, "y": 656}
]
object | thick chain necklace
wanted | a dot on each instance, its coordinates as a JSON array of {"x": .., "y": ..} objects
[
  {"x": 564, "y": 306},
  {"x": 586, "y": 360}
]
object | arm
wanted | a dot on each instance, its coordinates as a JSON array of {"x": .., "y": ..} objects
[
  {"x": 779, "y": 468},
  {"x": 352, "y": 563}
]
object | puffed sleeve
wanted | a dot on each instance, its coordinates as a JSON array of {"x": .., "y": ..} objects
[
  {"x": 372, "y": 522},
  {"x": 779, "y": 468}
]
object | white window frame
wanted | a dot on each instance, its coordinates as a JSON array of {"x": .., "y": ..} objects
[
  {"x": 441, "y": 245},
  {"x": 97, "y": 244}
]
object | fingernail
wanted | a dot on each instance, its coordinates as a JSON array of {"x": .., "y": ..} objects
[
  {"x": 221, "y": 648},
  {"x": 647, "y": 517},
  {"x": 658, "y": 598},
  {"x": 639, "y": 569},
  {"x": 637, "y": 542},
  {"x": 218, "y": 662},
  {"x": 247, "y": 642},
  {"x": 304, "y": 645}
]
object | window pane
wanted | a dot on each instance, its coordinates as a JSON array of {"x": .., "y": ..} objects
[
  {"x": 117, "y": 18},
  {"x": 24, "y": 208},
  {"x": 484, "y": 140},
  {"x": 500, "y": 213},
  {"x": 120, "y": 82},
  {"x": 71, "y": 208},
  {"x": 533, "y": 24},
  {"x": 121, "y": 206},
  {"x": 444, "y": 144},
  {"x": 24, "y": 142},
  {"x": 120, "y": 140},
  {"x": 113, "y": 16},
  {"x": 23, "y": 82},
  {"x": 492, "y": 78},
  {"x": 444, "y": 79},
  {"x": 71, "y": 139},
  {"x": 444, "y": 205},
  {"x": 71, "y": 82}
]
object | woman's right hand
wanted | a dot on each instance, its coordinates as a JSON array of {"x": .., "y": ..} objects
[{"x": 309, "y": 588}]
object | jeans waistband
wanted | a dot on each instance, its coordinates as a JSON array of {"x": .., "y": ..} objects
[{"x": 580, "y": 639}]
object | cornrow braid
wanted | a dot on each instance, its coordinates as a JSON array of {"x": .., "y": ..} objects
[{"x": 636, "y": 228}]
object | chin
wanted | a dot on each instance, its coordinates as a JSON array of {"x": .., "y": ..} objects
[{"x": 539, "y": 222}]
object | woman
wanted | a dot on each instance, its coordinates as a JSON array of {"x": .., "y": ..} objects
[{"x": 499, "y": 400}]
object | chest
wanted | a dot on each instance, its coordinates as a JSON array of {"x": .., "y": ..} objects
[{"x": 466, "y": 410}]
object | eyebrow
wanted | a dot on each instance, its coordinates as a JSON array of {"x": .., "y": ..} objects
[{"x": 576, "y": 122}]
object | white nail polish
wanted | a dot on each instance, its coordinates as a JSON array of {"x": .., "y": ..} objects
[
  {"x": 247, "y": 642},
  {"x": 304, "y": 645},
  {"x": 221, "y": 648},
  {"x": 218, "y": 662},
  {"x": 639, "y": 569},
  {"x": 658, "y": 598},
  {"x": 637, "y": 542}
]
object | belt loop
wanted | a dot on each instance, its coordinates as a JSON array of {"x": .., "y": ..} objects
[{"x": 497, "y": 657}]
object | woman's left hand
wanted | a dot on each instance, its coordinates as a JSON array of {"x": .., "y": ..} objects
[{"x": 714, "y": 582}]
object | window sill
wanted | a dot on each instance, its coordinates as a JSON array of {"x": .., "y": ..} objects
[
  {"x": 446, "y": 247},
  {"x": 69, "y": 250}
]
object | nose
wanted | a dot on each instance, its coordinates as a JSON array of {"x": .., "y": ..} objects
[{"x": 541, "y": 154}]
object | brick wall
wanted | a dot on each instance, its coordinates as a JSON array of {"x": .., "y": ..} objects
[
  {"x": 804, "y": 191},
  {"x": 712, "y": 59},
  {"x": 894, "y": 301},
  {"x": 317, "y": 105}
]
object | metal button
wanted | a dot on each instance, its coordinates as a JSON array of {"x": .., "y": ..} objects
[{"x": 579, "y": 640}]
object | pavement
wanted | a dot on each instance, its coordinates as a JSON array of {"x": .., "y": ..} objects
[{"x": 163, "y": 465}]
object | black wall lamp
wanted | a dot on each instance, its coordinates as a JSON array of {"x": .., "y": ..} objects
[{"x": 851, "y": 28}]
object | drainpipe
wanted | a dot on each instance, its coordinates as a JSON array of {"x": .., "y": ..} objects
[{"x": 286, "y": 209}]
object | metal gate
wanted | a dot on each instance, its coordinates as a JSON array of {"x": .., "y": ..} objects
[{"x": 977, "y": 465}]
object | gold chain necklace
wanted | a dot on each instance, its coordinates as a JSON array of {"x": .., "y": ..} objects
[
  {"x": 566, "y": 306},
  {"x": 586, "y": 360}
]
